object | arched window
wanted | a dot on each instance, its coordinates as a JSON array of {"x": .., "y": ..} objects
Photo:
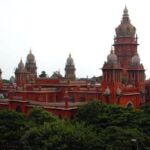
[
  {"x": 130, "y": 105},
  {"x": 18, "y": 108}
]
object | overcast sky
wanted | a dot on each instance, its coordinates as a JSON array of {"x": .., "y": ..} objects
[{"x": 55, "y": 28}]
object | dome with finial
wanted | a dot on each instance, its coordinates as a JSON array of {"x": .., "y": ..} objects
[
  {"x": 70, "y": 61},
  {"x": 112, "y": 57},
  {"x": 21, "y": 65},
  {"x": 125, "y": 29},
  {"x": 135, "y": 60},
  {"x": 30, "y": 57}
]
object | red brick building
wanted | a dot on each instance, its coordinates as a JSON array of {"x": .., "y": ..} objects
[
  {"x": 123, "y": 74},
  {"x": 122, "y": 83}
]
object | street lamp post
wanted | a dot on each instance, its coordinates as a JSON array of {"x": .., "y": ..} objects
[{"x": 135, "y": 140}]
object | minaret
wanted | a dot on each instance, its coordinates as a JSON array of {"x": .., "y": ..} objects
[
  {"x": 125, "y": 42},
  {"x": 31, "y": 67},
  {"x": 70, "y": 69},
  {"x": 21, "y": 74}
]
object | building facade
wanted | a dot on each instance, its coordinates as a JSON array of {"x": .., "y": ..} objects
[
  {"x": 123, "y": 73},
  {"x": 123, "y": 81}
]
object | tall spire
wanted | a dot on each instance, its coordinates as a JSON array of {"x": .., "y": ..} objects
[
  {"x": 125, "y": 18},
  {"x": 30, "y": 51},
  {"x": 125, "y": 10},
  {"x": 69, "y": 54}
]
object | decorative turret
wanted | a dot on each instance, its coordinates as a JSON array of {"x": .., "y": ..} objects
[
  {"x": 125, "y": 29},
  {"x": 107, "y": 91},
  {"x": 112, "y": 74},
  {"x": 21, "y": 67},
  {"x": 135, "y": 60},
  {"x": 70, "y": 69},
  {"x": 136, "y": 72},
  {"x": 118, "y": 91},
  {"x": 112, "y": 61},
  {"x": 111, "y": 69},
  {"x": 21, "y": 74},
  {"x": 112, "y": 58},
  {"x": 31, "y": 63},
  {"x": 31, "y": 67}
]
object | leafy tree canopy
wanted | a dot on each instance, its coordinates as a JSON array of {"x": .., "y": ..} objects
[
  {"x": 43, "y": 74},
  {"x": 39, "y": 116},
  {"x": 96, "y": 126},
  {"x": 12, "y": 125}
]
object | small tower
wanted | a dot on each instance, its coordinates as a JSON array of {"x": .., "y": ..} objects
[
  {"x": 21, "y": 74},
  {"x": 136, "y": 72},
  {"x": 112, "y": 69},
  {"x": 112, "y": 74},
  {"x": 70, "y": 69},
  {"x": 31, "y": 67}
]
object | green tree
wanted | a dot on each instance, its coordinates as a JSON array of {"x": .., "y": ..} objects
[
  {"x": 62, "y": 136},
  {"x": 117, "y": 125},
  {"x": 118, "y": 138},
  {"x": 101, "y": 115},
  {"x": 39, "y": 116},
  {"x": 43, "y": 74},
  {"x": 90, "y": 112},
  {"x": 56, "y": 75},
  {"x": 12, "y": 125},
  {"x": 146, "y": 108}
]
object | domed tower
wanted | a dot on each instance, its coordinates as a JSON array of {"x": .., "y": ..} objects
[
  {"x": 70, "y": 69},
  {"x": 111, "y": 69},
  {"x": 21, "y": 74},
  {"x": 112, "y": 74},
  {"x": 136, "y": 72},
  {"x": 125, "y": 42},
  {"x": 31, "y": 67},
  {"x": 123, "y": 74}
]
